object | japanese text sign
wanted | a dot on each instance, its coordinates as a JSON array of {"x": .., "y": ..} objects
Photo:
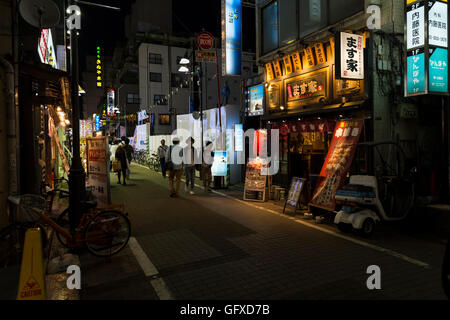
[
  {"x": 337, "y": 163},
  {"x": 350, "y": 60}
]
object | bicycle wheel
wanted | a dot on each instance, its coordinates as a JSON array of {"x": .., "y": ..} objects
[
  {"x": 64, "y": 222},
  {"x": 107, "y": 233}
]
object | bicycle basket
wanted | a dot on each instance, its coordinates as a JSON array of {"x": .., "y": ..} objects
[{"x": 24, "y": 204}]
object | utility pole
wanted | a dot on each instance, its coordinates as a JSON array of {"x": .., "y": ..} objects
[{"x": 77, "y": 177}]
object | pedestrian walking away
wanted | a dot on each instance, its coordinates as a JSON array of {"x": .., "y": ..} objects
[
  {"x": 129, "y": 152},
  {"x": 189, "y": 153},
  {"x": 206, "y": 167},
  {"x": 175, "y": 168},
  {"x": 162, "y": 151},
  {"x": 121, "y": 157}
]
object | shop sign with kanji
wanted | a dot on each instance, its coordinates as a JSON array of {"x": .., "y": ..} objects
[
  {"x": 307, "y": 87},
  {"x": 350, "y": 59}
]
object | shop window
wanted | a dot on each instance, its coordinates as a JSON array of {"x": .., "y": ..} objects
[
  {"x": 288, "y": 25},
  {"x": 341, "y": 9},
  {"x": 269, "y": 26},
  {"x": 313, "y": 15},
  {"x": 164, "y": 119}
]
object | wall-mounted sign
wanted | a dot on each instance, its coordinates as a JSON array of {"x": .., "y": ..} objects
[
  {"x": 110, "y": 102},
  {"x": 269, "y": 72},
  {"x": 231, "y": 39},
  {"x": 287, "y": 65},
  {"x": 438, "y": 70},
  {"x": 309, "y": 57},
  {"x": 274, "y": 96},
  {"x": 46, "y": 48},
  {"x": 437, "y": 24},
  {"x": 416, "y": 72},
  {"x": 297, "y": 61},
  {"x": 98, "y": 68},
  {"x": 427, "y": 53},
  {"x": 256, "y": 100},
  {"x": 320, "y": 53},
  {"x": 307, "y": 88},
  {"x": 415, "y": 25},
  {"x": 349, "y": 56}
]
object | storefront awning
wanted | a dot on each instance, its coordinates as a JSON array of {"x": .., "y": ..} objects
[{"x": 316, "y": 110}]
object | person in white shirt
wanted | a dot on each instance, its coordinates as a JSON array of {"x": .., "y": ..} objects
[{"x": 162, "y": 151}]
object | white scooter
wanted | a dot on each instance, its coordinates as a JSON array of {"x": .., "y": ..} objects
[{"x": 363, "y": 206}]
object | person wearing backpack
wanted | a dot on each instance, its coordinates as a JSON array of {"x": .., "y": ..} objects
[{"x": 175, "y": 169}]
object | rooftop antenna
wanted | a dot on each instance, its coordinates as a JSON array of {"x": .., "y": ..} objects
[{"x": 42, "y": 14}]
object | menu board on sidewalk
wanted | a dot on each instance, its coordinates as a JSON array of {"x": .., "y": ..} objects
[
  {"x": 255, "y": 181},
  {"x": 337, "y": 163},
  {"x": 98, "y": 169},
  {"x": 295, "y": 191}
]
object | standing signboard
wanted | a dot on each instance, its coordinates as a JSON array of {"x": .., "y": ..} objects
[
  {"x": 426, "y": 40},
  {"x": 255, "y": 181},
  {"x": 337, "y": 163},
  {"x": 295, "y": 190},
  {"x": 98, "y": 169}
]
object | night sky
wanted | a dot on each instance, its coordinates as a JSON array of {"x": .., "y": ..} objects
[{"x": 106, "y": 26}]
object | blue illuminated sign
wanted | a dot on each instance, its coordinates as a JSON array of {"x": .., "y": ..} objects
[
  {"x": 438, "y": 72},
  {"x": 416, "y": 73},
  {"x": 220, "y": 164},
  {"x": 231, "y": 48},
  {"x": 97, "y": 123},
  {"x": 256, "y": 101}
]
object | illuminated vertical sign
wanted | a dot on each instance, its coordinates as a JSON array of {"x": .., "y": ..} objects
[
  {"x": 110, "y": 100},
  {"x": 320, "y": 53},
  {"x": 98, "y": 66},
  {"x": 269, "y": 72},
  {"x": 231, "y": 37},
  {"x": 309, "y": 58},
  {"x": 297, "y": 60},
  {"x": 277, "y": 69},
  {"x": 46, "y": 48},
  {"x": 350, "y": 56},
  {"x": 426, "y": 42},
  {"x": 287, "y": 64}
]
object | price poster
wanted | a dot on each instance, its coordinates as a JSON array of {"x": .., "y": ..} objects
[{"x": 337, "y": 163}]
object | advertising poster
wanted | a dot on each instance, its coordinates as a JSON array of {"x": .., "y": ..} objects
[
  {"x": 256, "y": 104},
  {"x": 220, "y": 164},
  {"x": 337, "y": 163},
  {"x": 238, "y": 137},
  {"x": 98, "y": 184}
]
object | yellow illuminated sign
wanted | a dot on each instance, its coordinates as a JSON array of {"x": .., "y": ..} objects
[
  {"x": 309, "y": 57},
  {"x": 99, "y": 68},
  {"x": 297, "y": 60},
  {"x": 320, "y": 53},
  {"x": 287, "y": 64},
  {"x": 269, "y": 71},
  {"x": 277, "y": 69}
]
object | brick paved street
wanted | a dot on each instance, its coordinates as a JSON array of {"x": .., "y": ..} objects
[{"x": 207, "y": 246}]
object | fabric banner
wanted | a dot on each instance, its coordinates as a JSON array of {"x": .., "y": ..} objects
[{"x": 337, "y": 163}]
